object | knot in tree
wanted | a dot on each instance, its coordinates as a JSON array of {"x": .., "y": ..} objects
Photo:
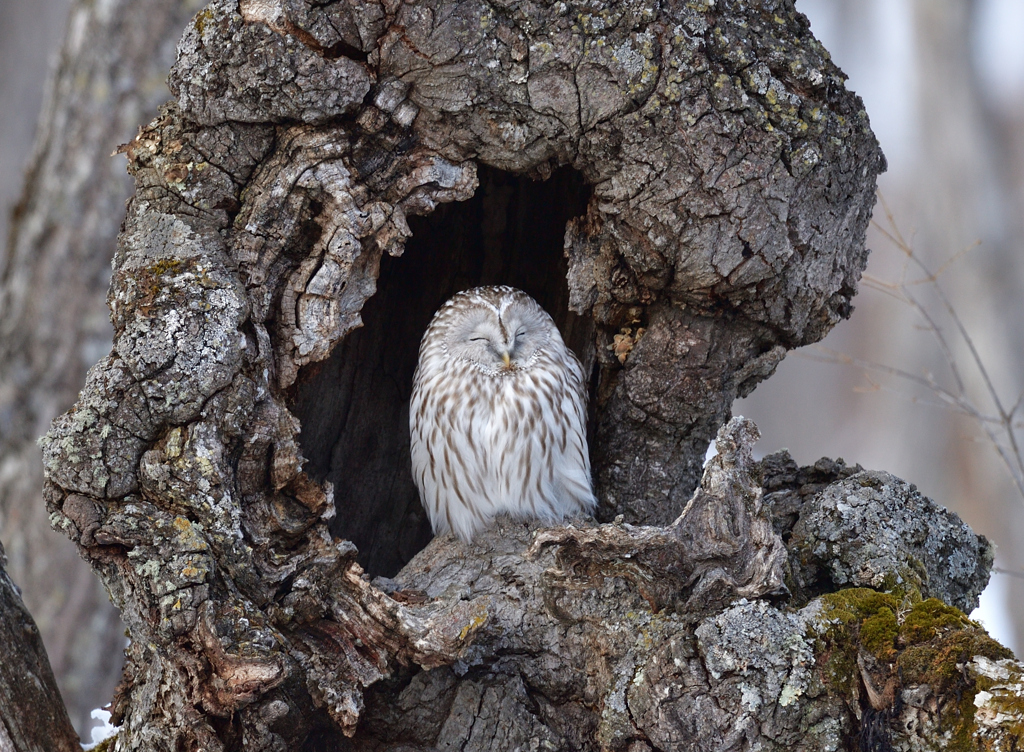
[{"x": 684, "y": 187}]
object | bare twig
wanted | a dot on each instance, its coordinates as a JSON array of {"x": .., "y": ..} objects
[
  {"x": 1009, "y": 572},
  {"x": 999, "y": 424}
]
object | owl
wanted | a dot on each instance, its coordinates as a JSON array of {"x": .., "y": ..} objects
[{"x": 498, "y": 415}]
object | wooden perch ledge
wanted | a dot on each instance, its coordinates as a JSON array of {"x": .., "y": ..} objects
[{"x": 722, "y": 547}]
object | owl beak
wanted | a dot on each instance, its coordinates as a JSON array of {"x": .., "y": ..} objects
[{"x": 505, "y": 357}]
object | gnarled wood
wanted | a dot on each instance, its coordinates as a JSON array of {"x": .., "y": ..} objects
[{"x": 728, "y": 178}]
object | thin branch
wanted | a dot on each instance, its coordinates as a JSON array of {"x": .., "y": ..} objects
[
  {"x": 949, "y": 399},
  {"x": 1008, "y": 572},
  {"x": 949, "y": 262},
  {"x": 933, "y": 280},
  {"x": 999, "y": 429},
  {"x": 1017, "y": 404}
]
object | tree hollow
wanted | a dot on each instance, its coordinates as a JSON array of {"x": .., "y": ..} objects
[{"x": 354, "y": 406}]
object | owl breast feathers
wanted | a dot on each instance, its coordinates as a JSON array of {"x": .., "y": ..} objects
[{"x": 498, "y": 415}]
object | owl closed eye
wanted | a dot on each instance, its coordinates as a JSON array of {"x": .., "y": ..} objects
[{"x": 497, "y": 417}]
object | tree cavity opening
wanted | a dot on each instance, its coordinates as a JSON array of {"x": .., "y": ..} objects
[{"x": 354, "y": 406}]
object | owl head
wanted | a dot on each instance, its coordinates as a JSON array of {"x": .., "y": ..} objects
[{"x": 499, "y": 330}]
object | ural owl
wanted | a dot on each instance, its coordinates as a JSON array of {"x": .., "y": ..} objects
[{"x": 498, "y": 415}]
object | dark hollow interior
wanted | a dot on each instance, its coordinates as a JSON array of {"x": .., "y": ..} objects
[{"x": 354, "y": 406}]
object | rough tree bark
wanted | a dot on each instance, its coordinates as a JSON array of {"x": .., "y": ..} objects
[
  {"x": 54, "y": 325},
  {"x": 32, "y": 715},
  {"x": 294, "y": 226}
]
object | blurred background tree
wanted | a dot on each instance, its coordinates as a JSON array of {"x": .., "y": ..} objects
[
  {"x": 63, "y": 201},
  {"x": 943, "y": 81}
]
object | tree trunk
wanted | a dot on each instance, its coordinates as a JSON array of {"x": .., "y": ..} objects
[
  {"x": 293, "y": 228},
  {"x": 53, "y": 320},
  {"x": 32, "y": 715}
]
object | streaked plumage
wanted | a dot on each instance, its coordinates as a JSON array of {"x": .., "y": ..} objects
[{"x": 498, "y": 415}]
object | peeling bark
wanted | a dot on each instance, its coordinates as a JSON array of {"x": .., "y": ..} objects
[{"x": 728, "y": 177}]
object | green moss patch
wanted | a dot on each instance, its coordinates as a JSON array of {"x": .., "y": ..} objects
[
  {"x": 922, "y": 641},
  {"x": 860, "y": 616},
  {"x": 935, "y": 638},
  {"x": 848, "y": 620}
]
